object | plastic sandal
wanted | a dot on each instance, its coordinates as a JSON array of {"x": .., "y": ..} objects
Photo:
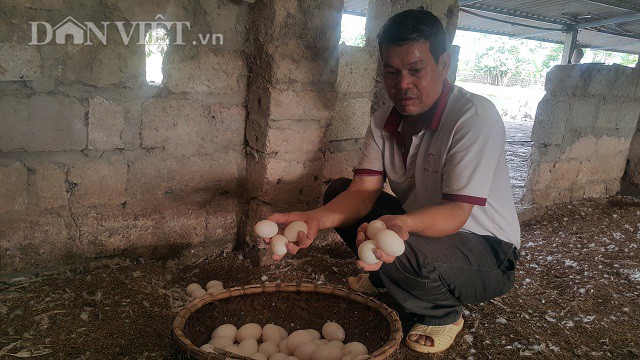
[{"x": 442, "y": 336}]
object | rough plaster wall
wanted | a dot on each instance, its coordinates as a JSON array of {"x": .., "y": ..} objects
[
  {"x": 582, "y": 132},
  {"x": 290, "y": 102},
  {"x": 95, "y": 162}
]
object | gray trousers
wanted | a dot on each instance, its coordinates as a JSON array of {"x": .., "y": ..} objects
[{"x": 435, "y": 276}]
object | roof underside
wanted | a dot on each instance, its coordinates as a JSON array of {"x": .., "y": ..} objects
[{"x": 601, "y": 24}]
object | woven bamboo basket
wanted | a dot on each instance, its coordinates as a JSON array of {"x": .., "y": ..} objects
[{"x": 292, "y": 306}]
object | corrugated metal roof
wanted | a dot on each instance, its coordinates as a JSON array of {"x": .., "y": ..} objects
[{"x": 602, "y": 24}]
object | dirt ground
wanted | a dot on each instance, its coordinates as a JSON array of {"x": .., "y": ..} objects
[{"x": 577, "y": 295}]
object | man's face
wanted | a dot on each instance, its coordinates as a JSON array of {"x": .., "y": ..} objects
[{"x": 412, "y": 78}]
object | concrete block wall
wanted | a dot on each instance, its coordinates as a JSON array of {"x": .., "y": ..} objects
[
  {"x": 94, "y": 161},
  {"x": 352, "y": 112},
  {"x": 582, "y": 132},
  {"x": 290, "y": 102}
]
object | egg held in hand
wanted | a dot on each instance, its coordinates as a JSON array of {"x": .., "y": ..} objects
[
  {"x": 365, "y": 252},
  {"x": 291, "y": 231},
  {"x": 266, "y": 228},
  {"x": 389, "y": 242}
]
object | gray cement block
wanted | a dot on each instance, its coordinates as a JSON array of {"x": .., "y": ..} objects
[
  {"x": 206, "y": 71},
  {"x": 584, "y": 112},
  {"x": 621, "y": 115},
  {"x": 106, "y": 124},
  {"x": 19, "y": 62},
  {"x": 188, "y": 127},
  {"x": 286, "y": 136},
  {"x": 627, "y": 82},
  {"x": 284, "y": 181},
  {"x": 31, "y": 240},
  {"x": 229, "y": 19},
  {"x": 350, "y": 119},
  {"x": 100, "y": 181},
  {"x": 188, "y": 177},
  {"x": 308, "y": 105},
  {"x": 357, "y": 71},
  {"x": 582, "y": 149},
  {"x": 49, "y": 183},
  {"x": 551, "y": 120},
  {"x": 13, "y": 189},
  {"x": 148, "y": 229},
  {"x": 340, "y": 164},
  {"x": 42, "y": 123}
]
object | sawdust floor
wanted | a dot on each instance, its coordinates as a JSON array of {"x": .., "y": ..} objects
[{"x": 577, "y": 296}]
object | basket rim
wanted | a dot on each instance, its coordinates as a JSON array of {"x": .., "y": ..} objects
[{"x": 190, "y": 349}]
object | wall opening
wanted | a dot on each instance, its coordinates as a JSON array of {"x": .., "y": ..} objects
[
  {"x": 352, "y": 29},
  {"x": 155, "y": 47}
]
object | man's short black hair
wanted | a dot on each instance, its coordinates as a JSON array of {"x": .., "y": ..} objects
[{"x": 414, "y": 25}]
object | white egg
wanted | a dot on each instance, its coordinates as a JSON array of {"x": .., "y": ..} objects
[
  {"x": 279, "y": 245},
  {"x": 221, "y": 342},
  {"x": 296, "y": 339},
  {"x": 266, "y": 228},
  {"x": 291, "y": 231},
  {"x": 268, "y": 348},
  {"x": 271, "y": 332},
  {"x": 207, "y": 348},
  {"x": 283, "y": 332},
  {"x": 213, "y": 283},
  {"x": 198, "y": 293},
  {"x": 327, "y": 352},
  {"x": 355, "y": 348},
  {"x": 249, "y": 331},
  {"x": 192, "y": 287},
  {"x": 374, "y": 227},
  {"x": 215, "y": 290},
  {"x": 225, "y": 330},
  {"x": 390, "y": 243},
  {"x": 365, "y": 252},
  {"x": 279, "y": 356},
  {"x": 304, "y": 351},
  {"x": 259, "y": 356},
  {"x": 234, "y": 349},
  {"x": 315, "y": 334},
  {"x": 283, "y": 347},
  {"x": 249, "y": 346},
  {"x": 332, "y": 331}
]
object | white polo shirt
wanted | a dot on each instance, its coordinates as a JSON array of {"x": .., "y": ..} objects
[{"x": 457, "y": 154}]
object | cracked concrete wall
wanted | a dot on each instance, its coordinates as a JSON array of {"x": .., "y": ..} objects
[
  {"x": 94, "y": 161},
  {"x": 582, "y": 133}
]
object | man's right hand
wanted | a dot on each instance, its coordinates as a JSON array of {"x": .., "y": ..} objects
[{"x": 304, "y": 240}]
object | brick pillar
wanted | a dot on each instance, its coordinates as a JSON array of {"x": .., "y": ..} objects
[{"x": 291, "y": 98}]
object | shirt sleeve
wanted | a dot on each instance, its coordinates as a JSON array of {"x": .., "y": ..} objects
[
  {"x": 475, "y": 151},
  {"x": 371, "y": 158}
]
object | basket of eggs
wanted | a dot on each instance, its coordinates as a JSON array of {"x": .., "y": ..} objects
[{"x": 287, "y": 321}]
